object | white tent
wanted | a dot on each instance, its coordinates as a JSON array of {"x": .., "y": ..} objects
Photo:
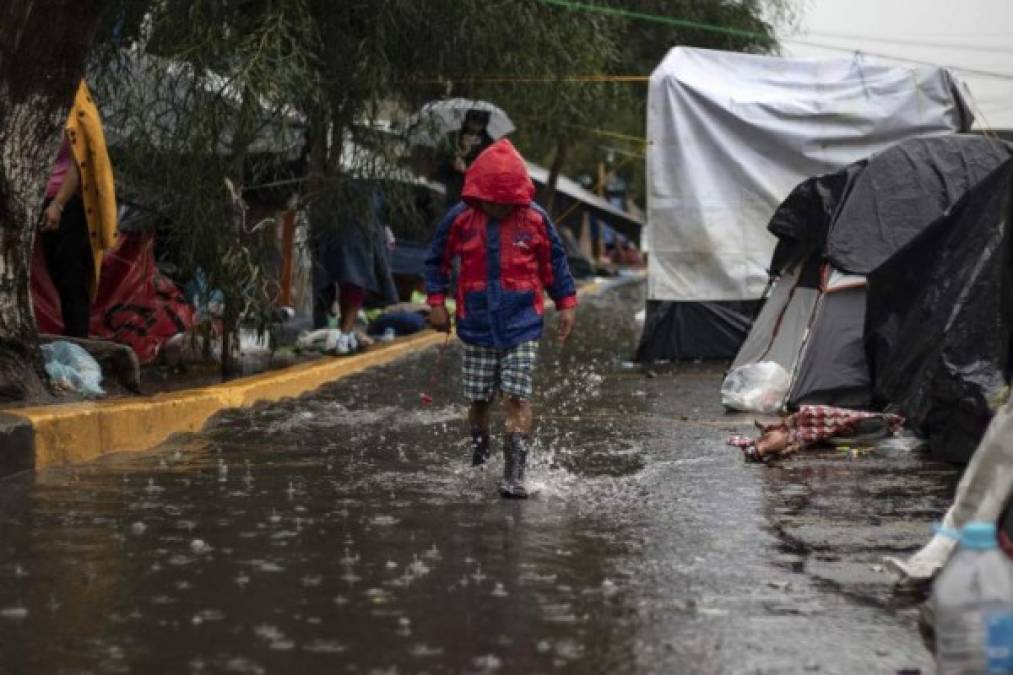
[
  {"x": 970, "y": 38},
  {"x": 729, "y": 136}
]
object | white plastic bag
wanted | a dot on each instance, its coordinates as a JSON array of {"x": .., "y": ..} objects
[
  {"x": 755, "y": 387},
  {"x": 322, "y": 339},
  {"x": 72, "y": 367}
]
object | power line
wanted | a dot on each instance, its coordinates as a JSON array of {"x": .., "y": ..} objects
[
  {"x": 763, "y": 37},
  {"x": 851, "y": 50},
  {"x": 639, "y": 140},
  {"x": 952, "y": 34},
  {"x": 914, "y": 43},
  {"x": 658, "y": 18},
  {"x": 531, "y": 79}
]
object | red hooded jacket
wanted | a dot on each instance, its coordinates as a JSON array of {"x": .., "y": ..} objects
[{"x": 505, "y": 265}]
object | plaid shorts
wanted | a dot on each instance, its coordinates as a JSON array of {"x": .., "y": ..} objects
[{"x": 487, "y": 369}]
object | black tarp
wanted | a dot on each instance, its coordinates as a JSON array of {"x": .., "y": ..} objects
[
  {"x": 938, "y": 321},
  {"x": 802, "y": 221},
  {"x": 858, "y": 216},
  {"x": 680, "y": 331},
  {"x": 902, "y": 190}
]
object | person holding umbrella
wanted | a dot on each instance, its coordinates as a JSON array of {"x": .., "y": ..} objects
[
  {"x": 459, "y": 129},
  {"x": 466, "y": 144},
  {"x": 510, "y": 255}
]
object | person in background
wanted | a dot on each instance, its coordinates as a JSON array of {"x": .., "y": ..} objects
[
  {"x": 466, "y": 145},
  {"x": 510, "y": 255},
  {"x": 351, "y": 266},
  {"x": 79, "y": 213}
]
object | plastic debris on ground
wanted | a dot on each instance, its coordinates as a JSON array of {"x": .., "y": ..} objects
[
  {"x": 756, "y": 387},
  {"x": 253, "y": 342},
  {"x": 71, "y": 367},
  {"x": 326, "y": 340},
  {"x": 903, "y": 441}
]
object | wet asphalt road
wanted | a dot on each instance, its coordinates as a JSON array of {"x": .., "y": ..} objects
[{"x": 345, "y": 532}]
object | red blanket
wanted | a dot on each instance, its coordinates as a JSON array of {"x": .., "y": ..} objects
[{"x": 135, "y": 306}]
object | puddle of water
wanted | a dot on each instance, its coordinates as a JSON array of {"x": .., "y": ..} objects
[{"x": 347, "y": 528}]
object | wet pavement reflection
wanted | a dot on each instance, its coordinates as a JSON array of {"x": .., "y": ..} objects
[{"x": 346, "y": 532}]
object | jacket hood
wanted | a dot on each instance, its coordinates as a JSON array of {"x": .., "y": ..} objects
[{"x": 498, "y": 175}]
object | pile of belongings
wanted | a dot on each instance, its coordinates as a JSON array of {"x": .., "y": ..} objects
[{"x": 812, "y": 425}]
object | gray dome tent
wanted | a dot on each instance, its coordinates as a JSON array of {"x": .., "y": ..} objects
[{"x": 832, "y": 231}]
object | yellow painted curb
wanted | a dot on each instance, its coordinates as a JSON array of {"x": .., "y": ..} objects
[{"x": 79, "y": 432}]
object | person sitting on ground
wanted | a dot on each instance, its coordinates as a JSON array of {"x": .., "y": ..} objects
[
  {"x": 509, "y": 254},
  {"x": 79, "y": 221}
]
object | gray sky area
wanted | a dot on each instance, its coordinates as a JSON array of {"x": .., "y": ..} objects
[{"x": 967, "y": 36}]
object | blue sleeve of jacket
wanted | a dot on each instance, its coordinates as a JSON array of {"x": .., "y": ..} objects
[
  {"x": 438, "y": 259},
  {"x": 556, "y": 274}
]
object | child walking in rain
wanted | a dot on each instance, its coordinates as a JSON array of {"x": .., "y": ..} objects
[{"x": 509, "y": 254}]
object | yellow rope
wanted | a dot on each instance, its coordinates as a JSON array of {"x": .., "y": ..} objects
[{"x": 544, "y": 79}]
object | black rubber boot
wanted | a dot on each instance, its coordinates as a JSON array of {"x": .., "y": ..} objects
[
  {"x": 515, "y": 456},
  {"x": 480, "y": 449}
]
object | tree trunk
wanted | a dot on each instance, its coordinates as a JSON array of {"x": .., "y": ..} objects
[
  {"x": 245, "y": 130},
  {"x": 549, "y": 191},
  {"x": 43, "y": 47}
]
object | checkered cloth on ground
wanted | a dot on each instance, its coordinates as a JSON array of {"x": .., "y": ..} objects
[
  {"x": 815, "y": 423},
  {"x": 487, "y": 370}
]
